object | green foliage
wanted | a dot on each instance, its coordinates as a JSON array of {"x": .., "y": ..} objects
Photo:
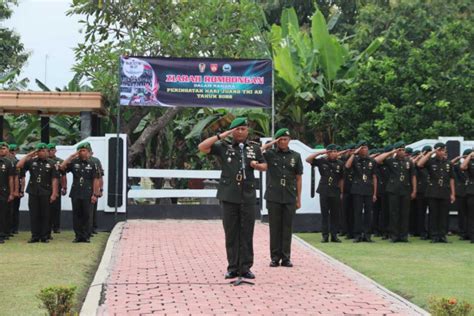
[
  {"x": 419, "y": 82},
  {"x": 12, "y": 51},
  {"x": 57, "y": 300},
  {"x": 449, "y": 307}
]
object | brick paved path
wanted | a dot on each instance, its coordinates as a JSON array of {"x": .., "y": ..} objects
[{"x": 177, "y": 267}]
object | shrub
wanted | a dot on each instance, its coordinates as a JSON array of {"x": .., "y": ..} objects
[
  {"x": 449, "y": 307},
  {"x": 57, "y": 300}
]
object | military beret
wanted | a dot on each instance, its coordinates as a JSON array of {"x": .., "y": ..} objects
[
  {"x": 331, "y": 147},
  {"x": 467, "y": 152},
  {"x": 338, "y": 148},
  {"x": 399, "y": 145},
  {"x": 416, "y": 152},
  {"x": 13, "y": 147},
  {"x": 239, "y": 121},
  {"x": 387, "y": 148},
  {"x": 282, "y": 132},
  {"x": 3, "y": 144},
  {"x": 361, "y": 143},
  {"x": 40, "y": 146},
  {"x": 427, "y": 148},
  {"x": 319, "y": 147},
  {"x": 51, "y": 146},
  {"x": 372, "y": 151},
  {"x": 85, "y": 145},
  {"x": 409, "y": 150},
  {"x": 439, "y": 145}
]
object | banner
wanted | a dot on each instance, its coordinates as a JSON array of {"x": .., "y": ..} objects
[{"x": 195, "y": 82}]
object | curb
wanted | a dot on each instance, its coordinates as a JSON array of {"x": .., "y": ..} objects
[
  {"x": 94, "y": 295},
  {"x": 360, "y": 278}
]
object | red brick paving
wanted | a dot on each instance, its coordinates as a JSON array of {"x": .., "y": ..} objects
[{"x": 177, "y": 267}]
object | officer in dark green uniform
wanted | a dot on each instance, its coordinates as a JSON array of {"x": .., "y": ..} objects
[
  {"x": 376, "y": 213},
  {"x": 7, "y": 188},
  {"x": 440, "y": 190},
  {"x": 330, "y": 189},
  {"x": 42, "y": 190},
  {"x": 19, "y": 188},
  {"x": 461, "y": 180},
  {"x": 347, "y": 213},
  {"x": 237, "y": 193},
  {"x": 364, "y": 190},
  {"x": 401, "y": 188},
  {"x": 382, "y": 196},
  {"x": 421, "y": 202},
  {"x": 283, "y": 195},
  {"x": 98, "y": 165},
  {"x": 55, "y": 221},
  {"x": 84, "y": 189},
  {"x": 468, "y": 166}
]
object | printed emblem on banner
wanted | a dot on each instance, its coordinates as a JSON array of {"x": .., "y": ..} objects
[
  {"x": 202, "y": 67},
  {"x": 226, "y": 68},
  {"x": 214, "y": 67}
]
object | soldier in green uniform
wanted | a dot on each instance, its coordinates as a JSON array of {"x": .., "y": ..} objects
[
  {"x": 98, "y": 165},
  {"x": 84, "y": 189},
  {"x": 347, "y": 212},
  {"x": 440, "y": 190},
  {"x": 7, "y": 188},
  {"x": 55, "y": 221},
  {"x": 237, "y": 193},
  {"x": 401, "y": 188},
  {"x": 382, "y": 196},
  {"x": 283, "y": 195},
  {"x": 42, "y": 190},
  {"x": 364, "y": 190},
  {"x": 461, "y": 180},
  {"x": 330, "y": 189},
  {"x": 468, "y": 166},
  {"x": 421, "y": 202},
  {"x": 19, "y": 189}
]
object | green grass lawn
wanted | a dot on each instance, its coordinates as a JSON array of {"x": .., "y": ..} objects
[
  {"x": 27, "y": 268},
  {"x": 417, "y": 270}
]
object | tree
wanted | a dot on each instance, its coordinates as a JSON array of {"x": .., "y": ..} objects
[
  {"x": 419, "y": 83},
  {"x": 309, "y": 65},
  {"x": 12, "y": 51},
  {"x": 165, "y": 28}
]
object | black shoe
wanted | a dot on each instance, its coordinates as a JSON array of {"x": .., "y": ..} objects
[
  {"x": 443, "y": 240},
  {"x": 94, "y": 232},
  {"x": 349, "y": 237},
  {"x": 33, "y": 240},
  {"x": 335, "y": 239},
  {"x": 325, "y": 239},
  {"x": 393, "y": 240},
  {"x": 231, "y": 275},
  {"x": 248, "y": 275},
  {"x": 87, "y": 240},
  {"x": 49, "y": 237},
  {"x": 45, "y": 240},
  {"x": 286, "y": 263},
  {"x": 472, "y": 241},
  {"x": 274, "y": 263},
  {"x": 2, "y": 241},
  {"x": 15, "y": 232},
  {"x": 434, "y": 240},
  {"x": 76, "y": 240},
  {"x": 357, "y": 240},
  {"x": 56, "y": 231}
]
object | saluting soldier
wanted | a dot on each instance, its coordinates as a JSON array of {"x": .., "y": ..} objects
[
  {"x": 7, "y": 188},
  {"x": 401, "y": 188},
  {"x": 283, "y": 195},
  {"x": 330, "y": 189},
  {"x": 377, "y": 209},
  {"x": 382, "y": 196},
  {"x": 55, "y": 222},
  {"x": 440, "y": 190},
  {"x": 468, "y": 166},
  {"x": 237, "y": 193},
  {"x": 461, "y": 180},
  {"x": 84, "y": 189},
  {"x": 421, "y": 202},
  {"x": 19, "y": 190},
  {"x": 364, "y": 190},
  {"x": 42, "y": 190},
  {"x": 347, "y": 211},
  {"x": 98, "y": 165}
]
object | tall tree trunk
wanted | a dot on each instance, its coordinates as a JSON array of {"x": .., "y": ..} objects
[{"x": 155, "y": 127}]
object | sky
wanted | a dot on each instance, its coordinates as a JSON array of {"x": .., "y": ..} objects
[{"x": 49, "y": 35}]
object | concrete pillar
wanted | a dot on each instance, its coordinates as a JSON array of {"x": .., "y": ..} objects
[
  {"x": 86, "y": 124},
  {"x": 45, "y": 129},
  {"x": 1, "y": 128}
]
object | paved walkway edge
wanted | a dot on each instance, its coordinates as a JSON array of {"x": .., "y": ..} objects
[
  {"x": 357, "y": 275},
  {"x": 92, "y": 301}
]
